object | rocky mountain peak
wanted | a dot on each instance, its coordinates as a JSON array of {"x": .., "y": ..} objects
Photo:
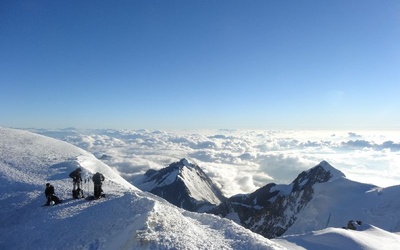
[{"x": 184, "y": 184}]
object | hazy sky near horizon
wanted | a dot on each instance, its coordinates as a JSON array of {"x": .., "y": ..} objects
[{"x": 200, "y": 64}]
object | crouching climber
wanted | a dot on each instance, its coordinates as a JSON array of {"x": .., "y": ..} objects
[{"x": 51, "y": 198}]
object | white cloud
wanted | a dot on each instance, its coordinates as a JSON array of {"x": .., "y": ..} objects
[{"x": 241, "y": 161}]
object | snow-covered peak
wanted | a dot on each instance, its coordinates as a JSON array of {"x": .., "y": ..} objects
[
  {"x": 162, "y": 177},
  {"x": 323, "y": 172},
  {"x": 186, "y": 163},
  {"x": 184, "y": 184},
  {"x": 335, "y": 173}
]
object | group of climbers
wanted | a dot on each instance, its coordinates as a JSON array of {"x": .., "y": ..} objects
[
  {"x": 353, "y": 225},
  {"x": 77, "y": 191}
]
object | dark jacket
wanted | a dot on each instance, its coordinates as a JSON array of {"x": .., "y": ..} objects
[
  {"x": 98, "y": 178},
  {"x": 49, "y": 190},
  {"x": 76, "y": 175}
]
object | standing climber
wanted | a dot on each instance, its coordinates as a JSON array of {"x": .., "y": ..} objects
[
  {"x": 77, "y": 181},
  {"x": 98, "y": 179}
]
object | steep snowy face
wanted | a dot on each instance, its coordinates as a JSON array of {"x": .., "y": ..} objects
[
  {"x": 337, "y": 202},
  {"x": 183, "y": 184},
  {"x": 198, "y": 186},
  {"x": 323, "y": 172}
]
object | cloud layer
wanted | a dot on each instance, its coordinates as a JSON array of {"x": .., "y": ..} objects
[{"x": 240, "y": 161}]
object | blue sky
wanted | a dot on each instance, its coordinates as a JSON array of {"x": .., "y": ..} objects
[{"x": 200, "y": 64}]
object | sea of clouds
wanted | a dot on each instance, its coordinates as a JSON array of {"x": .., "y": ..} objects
[{"x": 240, "y": 161}]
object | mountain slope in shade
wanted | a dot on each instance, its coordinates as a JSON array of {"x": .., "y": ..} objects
[{"x": 184, "y": 184}]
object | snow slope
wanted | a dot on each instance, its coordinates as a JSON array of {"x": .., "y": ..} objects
[
  {"x": 336, "y": 202},
  {"x": 365, "y": 237},
  {"x": 126, "y": 219},
  {"x": 199, "y": 189}
]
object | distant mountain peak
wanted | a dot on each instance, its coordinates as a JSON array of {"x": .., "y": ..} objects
[
  {"x": 335, "y": 173},
  {"x": 323, "y": 172},
  {"x": 186, "y": 163},
  {"x": 184, "y": 184},
  {"x": 272, "y": 209}
]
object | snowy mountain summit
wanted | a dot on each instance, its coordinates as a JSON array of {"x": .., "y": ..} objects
[
  {"x": 126, "y": 219},
  {"x": 131, "y": 219},
  {"x": 321, "y": 173},
  {"x": 316, "y": 199},
  {"x": 184, "y": 184},
  {"x": 272, "y": 209}
]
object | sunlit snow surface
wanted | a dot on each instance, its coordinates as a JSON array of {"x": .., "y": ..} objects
[{"x": 366, "y": 237}]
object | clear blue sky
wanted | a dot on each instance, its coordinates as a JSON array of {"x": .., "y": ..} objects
[{"x": 200, "y": 64}]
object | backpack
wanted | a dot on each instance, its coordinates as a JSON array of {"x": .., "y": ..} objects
[
  {"x": 97, "y": 178},
  {"x": 55, "y": 199},
  {"x": 77, "y": 193}
]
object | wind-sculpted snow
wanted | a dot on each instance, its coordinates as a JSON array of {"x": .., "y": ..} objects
[
  {"x": 197, "y": 231},
  {"x": 365, "y": 237}
]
